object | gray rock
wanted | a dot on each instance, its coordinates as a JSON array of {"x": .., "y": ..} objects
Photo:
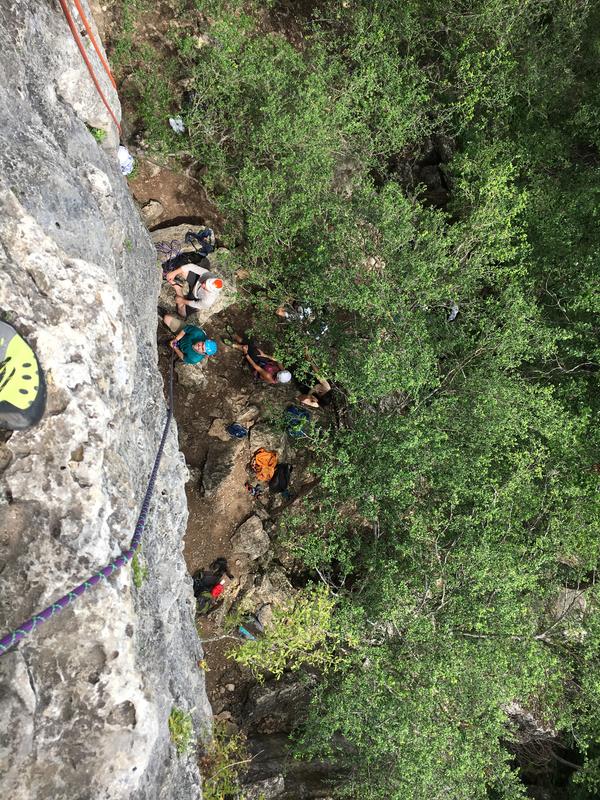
[
  {"x": 278, "y": 705},
  {"x": 85, "y": 700},
  {"x": 250, "y": 538},
  {"x": 220, "y": 462},
  {"x": 264, "y": 435},
  {"x": 248, "y": 414},
  {"x": 268, "y": 789},
  {"x": 152, "y": 211},
  {"x": 192, "y": 376},
  {"x": 220, "y": 263},
  {"x": 218, "y": 430},
  {"x": 272, "y": 589}
]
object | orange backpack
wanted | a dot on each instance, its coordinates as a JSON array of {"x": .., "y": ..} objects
[{"x": 264, "y": 463}]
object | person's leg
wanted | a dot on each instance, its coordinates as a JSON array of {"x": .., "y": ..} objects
[
  {"x": 253, "y": 351},
  {"x": 22, "y": 384},
  {"x": 173, "y": 323},
  {"x": 179, "y": 302},
  {"x": 238, "y": 341}
]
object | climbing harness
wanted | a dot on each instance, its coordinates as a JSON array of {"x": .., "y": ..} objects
[
  {"x": 84, "y": 55},
  {"x": 43, "y": 616}
]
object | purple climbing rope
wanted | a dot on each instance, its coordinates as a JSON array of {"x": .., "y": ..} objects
[
  {"x": 27, "y": 627},
  {"x": 167, "y": 251}
]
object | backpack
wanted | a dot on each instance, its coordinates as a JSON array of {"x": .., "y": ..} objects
[
  {"x": 204, "y": 241},
  {"x": 280, "y": 480},
  {"x": 263, "y": 463},
  {"x": 297, "y": 420},
  {"x": 204, "y": 582}
]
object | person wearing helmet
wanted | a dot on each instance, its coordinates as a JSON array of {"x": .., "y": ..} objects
[
  {"x": 190, "y": 344},
  {"x": 204, "y": 286},
  {"x": 264, "y": 366}
]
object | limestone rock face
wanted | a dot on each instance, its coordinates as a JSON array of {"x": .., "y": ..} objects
[
  {"x": 251, "y": 538},
  {"x": 85, "y": 700}
]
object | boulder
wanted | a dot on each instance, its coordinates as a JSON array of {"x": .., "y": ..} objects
[
  {"x": 267, "y": 789},
  {"x": 221, "y": 263},
  {"x": 152, "y": 211},
  {"x": 218, "y": 429},
  {"x": 264, "y": 435},
  {"x": 251, "y": 539},
  {"x": 248, "y": 415},
  {"x": 192, "y": 376},
  {"x": 220, "y": 462},
  {"x": 277, "y": 705},
  {"x": 269, "y": 590}
]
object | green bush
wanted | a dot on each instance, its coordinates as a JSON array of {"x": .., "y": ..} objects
[{"x": 181, "y": 730}]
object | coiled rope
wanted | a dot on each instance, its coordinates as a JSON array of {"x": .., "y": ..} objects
[
  {"x": 27, "y": 627},
  {"x": 84, "y": 55}
]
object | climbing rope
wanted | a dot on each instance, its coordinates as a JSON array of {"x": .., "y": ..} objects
[
  {"x": 99, "y": 52},
  {"x": 88, "y": 63},
  {"x": 168, "y": 250},
  {"x": 27, "y": 627}
]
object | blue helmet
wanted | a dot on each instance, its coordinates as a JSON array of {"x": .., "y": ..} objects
[{"x": 210, "y": 347}]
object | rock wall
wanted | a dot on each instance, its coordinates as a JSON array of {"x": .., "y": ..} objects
[{"x": 85, "y": 700}]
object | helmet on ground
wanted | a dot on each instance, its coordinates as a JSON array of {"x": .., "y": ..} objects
[
  {"x": 210, "y": 347},
  {"x": 284, "y": 376},
  {"x": 214, "y": 284}
]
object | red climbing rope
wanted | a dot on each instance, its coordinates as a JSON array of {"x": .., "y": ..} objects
[
  {"x": 79, "y": 43},
  {"x": 84, "y": 19}
]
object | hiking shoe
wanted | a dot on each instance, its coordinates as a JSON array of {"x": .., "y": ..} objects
[
  {"x": 22, "y": 384},
  {"x": 230, "y": 331},
  {"x": 226, "y": 341}
]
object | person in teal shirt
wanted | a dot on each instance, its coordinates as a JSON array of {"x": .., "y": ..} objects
[{"x": 190, "y": 344}]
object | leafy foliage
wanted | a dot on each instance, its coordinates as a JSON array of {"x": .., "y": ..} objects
[
  {"x": 300, "y": 634},
  {"x": 181, "y": 730},
  {"x": 384, "y": 162},
  {"x": 222, "y": 764}
]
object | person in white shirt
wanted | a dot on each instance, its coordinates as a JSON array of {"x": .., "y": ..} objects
[{"x": 204, "y": 286}]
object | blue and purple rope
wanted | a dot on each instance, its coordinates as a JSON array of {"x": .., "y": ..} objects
[{"x": 15, "y": 636}]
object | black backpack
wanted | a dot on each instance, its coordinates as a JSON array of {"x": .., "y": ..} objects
[{"x": 280, "y": 480}]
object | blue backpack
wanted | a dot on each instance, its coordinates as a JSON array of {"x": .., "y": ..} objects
[{"x": 203, "y": 242}]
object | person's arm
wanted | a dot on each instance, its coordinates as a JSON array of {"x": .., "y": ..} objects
[
  {"x": 320, "y": 378},
  {"x": 262, "y": 372},
  {"x": 175, "y": 346},
  {"x": 175, "y": 273}
]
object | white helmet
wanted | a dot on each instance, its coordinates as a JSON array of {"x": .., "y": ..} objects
[
  {"x": 213, "y": 284},
  {"x": 284, "y": 376}
]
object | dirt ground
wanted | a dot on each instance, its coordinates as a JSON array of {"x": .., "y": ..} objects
[
  {"x": 182, "y": 197},
  {"x": 230, "y": 389}
]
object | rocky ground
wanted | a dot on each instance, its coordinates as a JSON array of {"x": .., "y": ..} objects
[{"x": 226, "y": 521}]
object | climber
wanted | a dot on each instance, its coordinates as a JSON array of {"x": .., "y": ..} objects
[
  {"x": 294, "y": 311},
  {"x": 265, "y": 367},
  {"x": 203, "y": 285},
  {"x": 22, "y": 384},
  {"x": 315, "y": 391},
  {"x": 190, "y": 344},
  {"x": 319, "y": 396}
]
